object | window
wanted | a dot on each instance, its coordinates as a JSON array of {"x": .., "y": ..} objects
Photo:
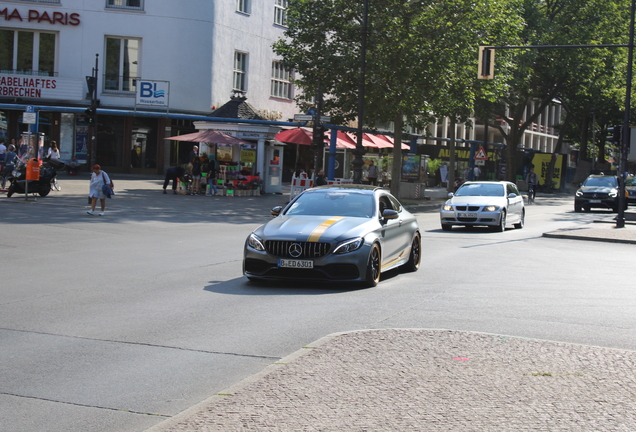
[
  {"x": 280, "y": 12},
  {"x": 243, "y": 6},
  {"x": 27, "y": 52},
  {"x": 121, "y": 64},
  {"x": 240, "y": 70},
  {"x": 281, "y": 84},
  {"x": 125, "y": 4}
]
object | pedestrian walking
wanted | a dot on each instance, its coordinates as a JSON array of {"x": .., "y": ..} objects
[
  {"x": 99, "y": 178},
  {"x": 372, "y": 176}
]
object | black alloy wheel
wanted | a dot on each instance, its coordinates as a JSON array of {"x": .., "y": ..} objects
[{"x": 373, "y": 267}]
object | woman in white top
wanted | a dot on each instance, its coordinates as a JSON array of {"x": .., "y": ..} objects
[
  {"x": 98, "y": 179},
  {"x": 54, "y": 152}
]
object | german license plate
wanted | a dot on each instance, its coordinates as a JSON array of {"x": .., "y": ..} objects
[
  {"x": 291, "y": 263},
  {"x": 595, "y": 201},
  {"x": 467, "y": 215}
]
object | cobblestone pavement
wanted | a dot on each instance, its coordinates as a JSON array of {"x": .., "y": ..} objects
[{"x": 428, "y": 380}]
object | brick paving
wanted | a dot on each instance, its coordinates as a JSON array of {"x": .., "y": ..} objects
[{"x": 428, "y": 380}]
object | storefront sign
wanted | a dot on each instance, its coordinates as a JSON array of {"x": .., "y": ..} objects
[
  {"x": 63, "y": 18},
  {"x": 251, "y": 135},
  {"x": 411, "y": 168},
  {"x": 29, "y": 86},
  {"x": 153, "y": 93},
  {"x": 248, "y": 156}
]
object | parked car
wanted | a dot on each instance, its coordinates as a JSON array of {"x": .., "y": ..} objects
[
  {"x": 630, "y": 187},
  {"x": 597, "y": 191},
  {"x": 338, "y": 233},
  {"x": 495, "y": 204}
]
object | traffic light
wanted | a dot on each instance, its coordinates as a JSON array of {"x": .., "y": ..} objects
[
  {"x": 319, "y": 135},
  {"x": 616, "y": 134},
  {"x": 486, "y": 68},
  {"x": 90, "y": 115}
]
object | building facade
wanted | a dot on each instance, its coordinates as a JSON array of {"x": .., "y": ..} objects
[{"x": 159, "y": 65}]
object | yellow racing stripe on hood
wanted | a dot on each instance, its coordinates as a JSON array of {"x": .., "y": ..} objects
[{"x": 320, "y": 229}]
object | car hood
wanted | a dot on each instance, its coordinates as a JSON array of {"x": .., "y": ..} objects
[
  {"x": 314, "y": 228},
  {"x": 477, "y": 200},
  {"x": 597, "y": 189}
]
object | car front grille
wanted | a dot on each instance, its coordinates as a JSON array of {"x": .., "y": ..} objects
[
  {"x": 305, "y": 250},
  {"x": 467, "y": 208},
  {"x": 595, "y": 195}
]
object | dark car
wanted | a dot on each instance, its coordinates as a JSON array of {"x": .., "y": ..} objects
[
  {"x": 339, "y": 233},
  {"x": 630, "y": 187},
  {"x": 597, "y": 191}
]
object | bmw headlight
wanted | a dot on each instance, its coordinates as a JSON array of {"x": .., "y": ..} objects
[
  {"x": 349, "y": 246},
  {"x": 447, "y": 207},
  {"x": 491, "y": 208},
  {"x": 255, "y": 242}
]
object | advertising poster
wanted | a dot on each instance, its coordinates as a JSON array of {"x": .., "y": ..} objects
[
  {"x": 224, "y": 152},
  {"x": 411, "y": 168},
  {"x": 541, "y": 164}
]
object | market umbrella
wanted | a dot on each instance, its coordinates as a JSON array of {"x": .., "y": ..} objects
[
  {"x": 295, "y": 136},
  {"x": 366, "y": 142},
  {"x": 392, "y": 141},
  {"x": 209, "y": 136}
]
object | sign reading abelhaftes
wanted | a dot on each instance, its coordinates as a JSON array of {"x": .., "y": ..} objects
[{"x": 37, "y": 87}]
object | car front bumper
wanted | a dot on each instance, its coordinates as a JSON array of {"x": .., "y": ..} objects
[
  {"x": 349, "y": 267},
  {"x": 470, "y": 218}
]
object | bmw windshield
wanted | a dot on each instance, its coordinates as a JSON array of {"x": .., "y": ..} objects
[
  {"x": 333, "y": 203},
  {"x": 481, "y": 189}
]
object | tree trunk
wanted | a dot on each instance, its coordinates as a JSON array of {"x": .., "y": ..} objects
[
  {"x": 396, "y": 171},
  {"x": 557, "y": 151},
  {"x": 450, "y": 186}
]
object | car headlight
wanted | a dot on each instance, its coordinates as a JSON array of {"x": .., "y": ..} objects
[
  {"x": 579, "y": 193},
  {"x": 447, "y": 207},
  {"x": 349, "y": 246},
  {"x": 613, "y": 193},
  {"x": 255, "y": 242},
  {"x": 491, "y": 208}
]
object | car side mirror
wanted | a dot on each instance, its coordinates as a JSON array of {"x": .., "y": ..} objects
[
  {"x": 389, "y": 214},
  {"x": 450, "y": 194},
  {"x": 512, "y": 195},
  {"x": 276, "y": 210}
]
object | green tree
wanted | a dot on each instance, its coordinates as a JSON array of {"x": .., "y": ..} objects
[
  {"x": 421, "y": 58},
  {"x": 534, "y": 78}
]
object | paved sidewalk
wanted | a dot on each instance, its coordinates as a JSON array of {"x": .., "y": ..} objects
[{"x": 428, "y": 380}]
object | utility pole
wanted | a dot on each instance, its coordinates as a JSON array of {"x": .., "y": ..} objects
[
  {"x": 91, "y": 112},
  {"x": 318, "y": 134}
]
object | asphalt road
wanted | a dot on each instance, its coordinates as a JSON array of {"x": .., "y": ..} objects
[{"x": 116, "y": 323}]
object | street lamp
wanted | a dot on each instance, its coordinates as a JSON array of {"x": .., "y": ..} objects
[{"x": 359, "y": 150}]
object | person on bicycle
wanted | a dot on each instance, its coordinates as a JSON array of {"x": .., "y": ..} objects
[{"x": 533, "y": 182}]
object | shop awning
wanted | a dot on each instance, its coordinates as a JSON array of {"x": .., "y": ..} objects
[
  {"x": 209, "y": 136},
  {"x": 300, "y": 136}
]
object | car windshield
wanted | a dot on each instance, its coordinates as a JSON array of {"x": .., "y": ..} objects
[
  {"x": 333, "y": 203},
  {"x": 600, "y": 182},
  {"x": 481, "y": 189},
  {"x": 630, "y": 181}
]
